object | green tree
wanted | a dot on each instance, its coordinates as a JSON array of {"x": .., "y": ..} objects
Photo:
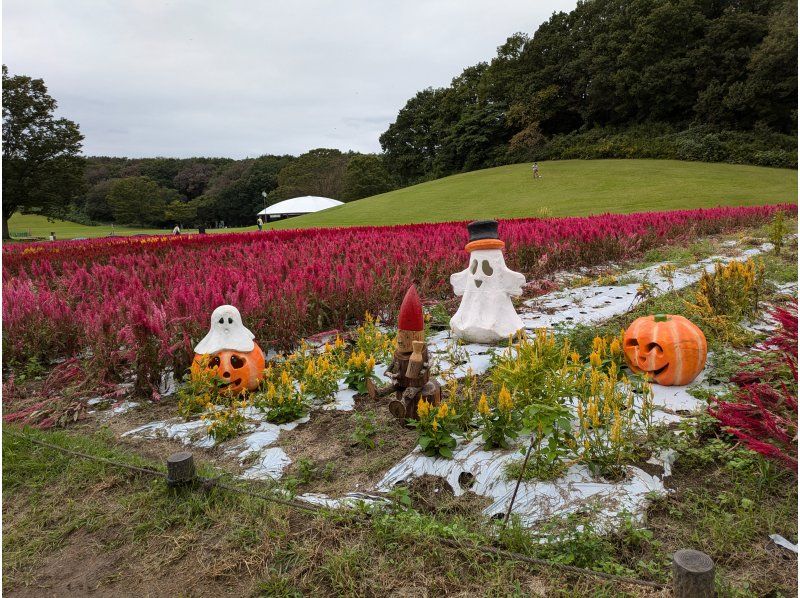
[
  {"x": 42, "y": 168},
  {"x": 181, "y": 212},
  {"x": 411, "y": 142},
  {"x": 317, "y": 172},
  {"x": 95, "y": 202},
  {"x": 364, "y": 176},
  {"x": 771, "y": 86},
  {"x": 139, "y": 200},
  {"x": 192, "y": 180},
  {"x": 613, "y": 65},
  {"x": 234, "y": 192}
]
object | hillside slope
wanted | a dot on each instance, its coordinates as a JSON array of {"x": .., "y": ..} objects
[{"x": 567, "y": 188}]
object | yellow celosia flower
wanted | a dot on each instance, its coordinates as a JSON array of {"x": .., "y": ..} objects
[
  {"x": 616, "y": 347},
  {"x": 423, "y": 408},
  {"x": 504, "y": 401},
  {"x": 339, "y": 343},
  {"x": 435, "y": 424},
  {"x": 443, "y": 410},
  {"x": 595, "y": 359},
  {"x": 575, "y": 357},
  {"x": 483, "y": 405}
]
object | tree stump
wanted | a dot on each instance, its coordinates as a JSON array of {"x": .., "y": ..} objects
[
  {"x": 692, "y": 574},
  {"x": 180, "y": 469}
]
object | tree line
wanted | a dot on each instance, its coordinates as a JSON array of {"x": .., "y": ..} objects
[
  {"x": 712, "y": 80},
  {"x": 195, "y": 191}
]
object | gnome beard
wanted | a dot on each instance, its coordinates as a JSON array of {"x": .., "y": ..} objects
[{"x": 486, "y": 314}]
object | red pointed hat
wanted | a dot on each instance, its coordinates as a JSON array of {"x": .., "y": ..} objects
[{"x": 411, "y": 311}]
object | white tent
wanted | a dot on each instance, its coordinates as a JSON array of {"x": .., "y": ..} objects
[{"x": 299, "y": 205}]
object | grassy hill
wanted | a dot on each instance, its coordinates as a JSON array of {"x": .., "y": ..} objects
[{"x": 567, "y": 188}]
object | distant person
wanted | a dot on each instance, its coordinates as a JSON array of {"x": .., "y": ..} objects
[
  {"x": 201, "y": 229},
  {"x": 52, "y": 236},
  {"x": 176, "y": 230},
  {"x": 536, "y": 174},
  {"x": 259, "y": 223}
]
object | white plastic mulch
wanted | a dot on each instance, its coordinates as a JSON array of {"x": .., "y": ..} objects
[
  {"x": 483, "y": 472},
  {"x": 472, "y": 468}
]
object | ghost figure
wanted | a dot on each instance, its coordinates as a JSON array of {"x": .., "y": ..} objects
[
  {"x": 227, "y": 333},
  {"x": 486, "y": 314}
]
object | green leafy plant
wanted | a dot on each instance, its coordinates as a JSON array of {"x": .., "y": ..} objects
[
  {"x": 435, "y": 429},
  {"x": 360, "y": 369},
  {"x": 731, "y": 291},
  {"x": 372, "y": 341},
  {"x": 608, "y": 423},
  {"x": 777, "y": 231},
  {"x": 461, "y": 397},
  {"x": 530, "y": 368},
  {"x": 365, "y": 429},
  {"x": 200, "y": 391},
  {"x": 501, "y": 423},
  {"x": 226, "y": 421},
  {"x": 281, "y": 399},
  {"x": 549, "y": 424},
  {"x": 320, "y": 378}
]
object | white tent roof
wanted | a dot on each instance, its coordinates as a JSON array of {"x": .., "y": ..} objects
[{"x": 300, "y": 205}]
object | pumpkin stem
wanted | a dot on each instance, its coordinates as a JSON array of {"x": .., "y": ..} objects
[{"x": 660, "y": 318}]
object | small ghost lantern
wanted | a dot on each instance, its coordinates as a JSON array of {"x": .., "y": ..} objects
[
  {"x": 486, "y": 314},
  {"x": 229, "y": 350}
]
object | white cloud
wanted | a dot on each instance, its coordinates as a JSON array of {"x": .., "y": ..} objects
[{"x": 244, "y": 78}]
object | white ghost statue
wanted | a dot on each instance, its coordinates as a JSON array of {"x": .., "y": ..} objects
[
  {"x": 486, "y": 314},
  {"x": 227, "y": 333}
]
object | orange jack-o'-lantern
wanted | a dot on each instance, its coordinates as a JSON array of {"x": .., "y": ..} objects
[
  {"x": 670, "y": 349},
  {"x": 239, "y": 371}
]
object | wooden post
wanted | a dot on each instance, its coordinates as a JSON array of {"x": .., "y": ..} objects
[
  {"x": 692, "y": 574},
  {"x": 180, "y": 469}
]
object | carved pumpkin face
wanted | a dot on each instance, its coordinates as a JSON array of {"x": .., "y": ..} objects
[
  {"x": 240, "y": 371},
  {"x": 670, "y": 349}
]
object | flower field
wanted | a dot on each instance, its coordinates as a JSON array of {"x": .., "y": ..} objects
[{"x": 144, "y": 301}]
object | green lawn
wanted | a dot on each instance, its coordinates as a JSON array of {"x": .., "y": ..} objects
[
  {"x": 567, "y": 188},
  {"x": 39, "y": 226}
]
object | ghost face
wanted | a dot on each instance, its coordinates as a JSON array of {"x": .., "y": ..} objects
[
  {"x": 227, "y": 332},
  {"x": 487, "y": 272},
  {"x": 226, "y": 319},
  {"x": 481, "y": 271},
  {"x": 486, "y": 313}
]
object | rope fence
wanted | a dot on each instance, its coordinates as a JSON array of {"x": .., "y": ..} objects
[{"x": 693, "y": 571}]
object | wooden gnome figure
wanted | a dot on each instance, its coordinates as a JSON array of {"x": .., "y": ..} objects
[
  {"x": 410, "y": 370},
  {"x": 486, "y": 314}
]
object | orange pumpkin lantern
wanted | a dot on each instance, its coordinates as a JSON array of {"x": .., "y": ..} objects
[
  {"x": 670, "y": 349},
  {"x": 240, "y": 371}
]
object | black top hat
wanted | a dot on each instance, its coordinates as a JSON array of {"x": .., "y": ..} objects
[{"x": 482, "y": 229}]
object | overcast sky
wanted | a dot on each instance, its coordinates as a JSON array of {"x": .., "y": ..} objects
[{"x": 244, "y": 78}]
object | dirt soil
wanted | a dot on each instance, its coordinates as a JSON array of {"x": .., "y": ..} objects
[{"x": 339, "y": 464}]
